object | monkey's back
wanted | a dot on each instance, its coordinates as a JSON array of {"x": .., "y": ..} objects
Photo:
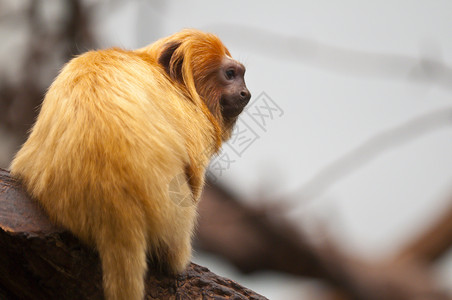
[{"x": 110, "y": 137}]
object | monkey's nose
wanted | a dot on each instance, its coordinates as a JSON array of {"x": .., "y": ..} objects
[{"x": 245, "y": 96}]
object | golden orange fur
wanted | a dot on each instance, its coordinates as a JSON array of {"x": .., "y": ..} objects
[{"x": 115, "y": 129}]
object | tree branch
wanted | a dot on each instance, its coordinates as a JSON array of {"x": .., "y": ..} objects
[
  {"x": 253, "y": 241},
  {"x": 41, "y": 261}
]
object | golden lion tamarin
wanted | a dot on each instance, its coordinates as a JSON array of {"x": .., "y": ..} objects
[{"x": 115, "y": 128}]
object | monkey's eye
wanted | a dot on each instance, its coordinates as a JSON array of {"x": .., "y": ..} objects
[{"x": 230, "y": 74}]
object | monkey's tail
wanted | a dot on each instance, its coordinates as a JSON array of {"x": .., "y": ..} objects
[{"x": 123, "y": 256}]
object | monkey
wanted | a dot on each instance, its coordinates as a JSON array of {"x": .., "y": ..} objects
[{"x": 115, "y": 128}]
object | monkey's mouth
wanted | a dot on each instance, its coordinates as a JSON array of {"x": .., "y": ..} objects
[
  {"x": 232, "y": 107},
  {"x": 232, "y": 112}
]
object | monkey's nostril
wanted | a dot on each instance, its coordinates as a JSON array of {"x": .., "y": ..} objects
[{"x": 245, "y": 95}]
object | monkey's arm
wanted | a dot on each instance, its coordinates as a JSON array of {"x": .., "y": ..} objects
[{"x": 195, "y": 179}]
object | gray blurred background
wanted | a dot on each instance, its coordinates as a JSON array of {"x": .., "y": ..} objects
[{"x": 350, "y": 132}]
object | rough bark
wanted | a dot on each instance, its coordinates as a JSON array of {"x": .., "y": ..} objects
[{"x": 41, "y": 261}]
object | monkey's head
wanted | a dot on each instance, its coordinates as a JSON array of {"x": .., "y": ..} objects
[{"x": 203, "y": 66}]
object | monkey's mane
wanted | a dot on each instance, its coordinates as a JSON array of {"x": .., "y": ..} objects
[{"x": 190, "y": 59}]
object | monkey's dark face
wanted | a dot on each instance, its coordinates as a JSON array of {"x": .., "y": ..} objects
[
  {"x": 218, "y": 78},
  {"x": 235, "y": 96}
]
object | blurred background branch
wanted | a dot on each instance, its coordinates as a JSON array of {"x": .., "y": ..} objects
[{"x": 358, "y": 63}]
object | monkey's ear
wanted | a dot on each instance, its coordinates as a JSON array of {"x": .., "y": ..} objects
[{"x": 170, "y": 62}]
